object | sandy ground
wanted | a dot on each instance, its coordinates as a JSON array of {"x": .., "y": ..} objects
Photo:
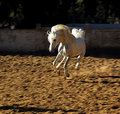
[{"x": 28, "y": 85}]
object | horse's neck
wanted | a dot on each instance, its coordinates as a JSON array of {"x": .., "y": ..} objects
[{"x": 69, "y": 39}]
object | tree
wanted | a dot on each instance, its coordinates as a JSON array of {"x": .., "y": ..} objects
[{"x": 26, "y": 14}]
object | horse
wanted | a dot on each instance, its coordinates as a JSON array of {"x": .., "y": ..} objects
[{"x": 70, "y": 45}]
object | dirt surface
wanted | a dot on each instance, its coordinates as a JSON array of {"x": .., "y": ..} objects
[{"x": 28, "y": 85}]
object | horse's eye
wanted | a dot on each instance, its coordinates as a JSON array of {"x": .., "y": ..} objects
[{"x": 54, "y": 40}]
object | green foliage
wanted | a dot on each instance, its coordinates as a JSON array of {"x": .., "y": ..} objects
[
  {"x": 12, "y": 14},
  {"x": 29, "y": 13},
  {"x": 79, "y": 1},
  {"x": 16, "y": 15}
]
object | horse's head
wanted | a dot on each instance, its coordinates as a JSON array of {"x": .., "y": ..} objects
[
  {"x": 57, "y": 35},
  {"x": 53, "y": 39}
]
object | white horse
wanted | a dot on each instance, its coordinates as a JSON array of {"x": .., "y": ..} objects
[{"x": 70, "y": 44}]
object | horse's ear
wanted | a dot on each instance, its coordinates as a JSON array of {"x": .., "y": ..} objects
[{"x": 48, "y": 32}]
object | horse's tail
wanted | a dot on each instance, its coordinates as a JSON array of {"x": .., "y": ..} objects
[
  {"x": 82, "y": 33},
  {"x": 78, "y": 33}
]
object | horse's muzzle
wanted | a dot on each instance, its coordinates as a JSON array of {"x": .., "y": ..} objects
[{"x": 51, "y": 50}]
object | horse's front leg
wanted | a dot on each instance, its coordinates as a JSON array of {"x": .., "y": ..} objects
[
  {"x": 58, "y": 56},
  {"x": 54, "y": 62},
  {"x": 60, "y": 62},
  {"x": 57, "y": 67},
  {"x": 65, "y": 66}
]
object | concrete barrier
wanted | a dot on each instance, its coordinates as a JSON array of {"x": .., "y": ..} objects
[
  {"x": 103, "y": 38},
  {"x": 36, "y": 40},
  {"x": 23, "y": 40}
]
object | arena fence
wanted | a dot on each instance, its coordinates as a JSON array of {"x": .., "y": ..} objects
[{"x": 97, "y": 36}]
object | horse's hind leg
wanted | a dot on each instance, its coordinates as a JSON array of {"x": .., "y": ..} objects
[{"x": 78, "y": 62}]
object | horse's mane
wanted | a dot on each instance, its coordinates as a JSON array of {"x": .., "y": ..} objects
[
  {"x": 65, "y": 30},
  {"x": 60, "y": 27}
]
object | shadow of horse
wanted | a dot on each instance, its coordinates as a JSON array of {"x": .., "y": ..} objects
[
  {"x": 104, "y": 81},
  {"x": 35, "y": 109},
  {"x": 109, "y": 76}
]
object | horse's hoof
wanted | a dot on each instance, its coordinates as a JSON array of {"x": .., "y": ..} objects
[
  {"x": 57, "y": 67},
  {"x": 76, "y": 68},
  {"x": 53, "y": 64},
  {"x": 58, "y": 72},
  {"x": 68, "y": 76}
]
